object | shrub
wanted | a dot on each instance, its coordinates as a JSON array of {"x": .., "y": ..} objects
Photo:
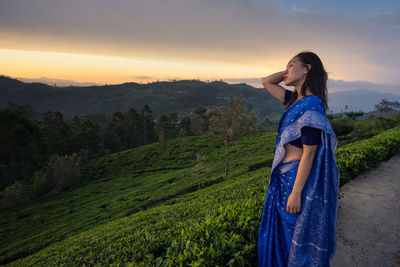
[
  {"x": 357, "y": 157},
  {"x": 341, "y": 126},
  {"x": 14, "y": 195},
  {"x": 65, "y": 170},
  {"x": 40, "y": 184}
]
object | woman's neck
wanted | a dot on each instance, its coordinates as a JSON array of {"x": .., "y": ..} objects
[{"x": 308, "y": 92}]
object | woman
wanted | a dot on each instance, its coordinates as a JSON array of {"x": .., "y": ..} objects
[{"x": 300, "y": 212}]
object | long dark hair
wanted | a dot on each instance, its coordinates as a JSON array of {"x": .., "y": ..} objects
[{"x": 316, "y": 78}]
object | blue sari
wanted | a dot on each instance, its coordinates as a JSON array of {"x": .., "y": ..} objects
[{"x": 306, "y": 238}]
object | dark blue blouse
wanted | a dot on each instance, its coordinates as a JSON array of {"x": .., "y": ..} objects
[{"x": 309, "y": 135}]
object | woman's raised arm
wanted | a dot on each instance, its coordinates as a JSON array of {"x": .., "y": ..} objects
[{"x": 271, "y": 84}]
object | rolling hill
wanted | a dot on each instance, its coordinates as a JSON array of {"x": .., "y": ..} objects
[{"x": 182, "y": 96}]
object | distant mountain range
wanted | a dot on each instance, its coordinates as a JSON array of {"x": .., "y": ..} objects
[
  {"x": 359, "y": 99},
  {"x": 183, "y": 96},
  {"x": 357, "y": 95},
  {"x": 56, "y": 82}
]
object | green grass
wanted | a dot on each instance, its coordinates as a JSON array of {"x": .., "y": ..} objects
[{"x": 136, "y": 202}]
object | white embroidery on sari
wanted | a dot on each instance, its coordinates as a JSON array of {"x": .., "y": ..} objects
[
  {"x": 309, "y": 244},
  {"x": 310, "y": 198}
]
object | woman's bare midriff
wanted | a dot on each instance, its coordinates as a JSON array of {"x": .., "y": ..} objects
[{"x": 292, "y": 152}]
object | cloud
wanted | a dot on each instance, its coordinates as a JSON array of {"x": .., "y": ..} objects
[
  {"x": 141, "y": 77},
  {"x": 258, "y": 32},
  {"x": 301, "y": 9}
]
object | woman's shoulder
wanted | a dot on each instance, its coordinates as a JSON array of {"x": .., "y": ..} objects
[
  {"x": 316, "y": 98},
  {"x": 314, "y": 102},
  {"x": 288, "y": 93}
]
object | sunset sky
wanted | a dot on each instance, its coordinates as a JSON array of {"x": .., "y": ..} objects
[{"x": 235, "y": 40}]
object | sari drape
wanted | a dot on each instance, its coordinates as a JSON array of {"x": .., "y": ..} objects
[{"x": 306, "y": 238}]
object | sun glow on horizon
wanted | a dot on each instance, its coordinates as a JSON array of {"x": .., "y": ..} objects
[{"x": 112, "y": 69}]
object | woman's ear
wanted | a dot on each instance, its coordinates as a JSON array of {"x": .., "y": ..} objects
[{"x": 308, "y": 67}]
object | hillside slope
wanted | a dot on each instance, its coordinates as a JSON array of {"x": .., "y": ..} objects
[
  {"x": 134, "y": 204},
  {"x": 125, "y": 183}
]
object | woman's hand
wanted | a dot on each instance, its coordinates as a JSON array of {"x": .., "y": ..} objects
[
  {"x": 293, "y": 203},
  {"x": 274, "y": 78}
]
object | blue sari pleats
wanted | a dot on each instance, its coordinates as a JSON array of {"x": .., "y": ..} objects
[{"x": 277, "y": 226}]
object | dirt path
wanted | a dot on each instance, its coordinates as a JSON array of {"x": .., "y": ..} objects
[{"x": 368, "y": 229}]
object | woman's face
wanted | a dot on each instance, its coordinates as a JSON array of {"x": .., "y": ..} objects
[{"x": 295, "y": 73}]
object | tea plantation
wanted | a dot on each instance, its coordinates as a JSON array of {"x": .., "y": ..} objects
[{"x": 151, "y": 206}]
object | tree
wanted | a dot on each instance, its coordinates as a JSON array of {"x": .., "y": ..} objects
[
  {"x": 88, "y": 137},
  {"x": 394, "y": 104},
  {"x": 231, "y": 122},
  {"x": 197, "y": 125},
  {"x": 14, "y": 195},
  {"x": 39, "y": 184},
  {"x": 12, "y": 198},
  {"x": 163, "y": 128},
  {"x": 149, "y": 134},
  {"x": 353, "y": 115},
  {"x": 184, "y": 127},
  {"x": 21, "y": 146},
  {"x": 173, "y": 125},
  {"x": 75, "y": 123},
  {"x": 116, "y": 134},
  {"x": 74, "y": 144},
  {"x": 25, "y": 110},
  {"x": 383, "y": 106},
  {"x": 200, "y": 121},
  {"x": 56, "y": 132},
  {"x": 64, "y": 170},
  {"x": 133, "y": 123}
]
